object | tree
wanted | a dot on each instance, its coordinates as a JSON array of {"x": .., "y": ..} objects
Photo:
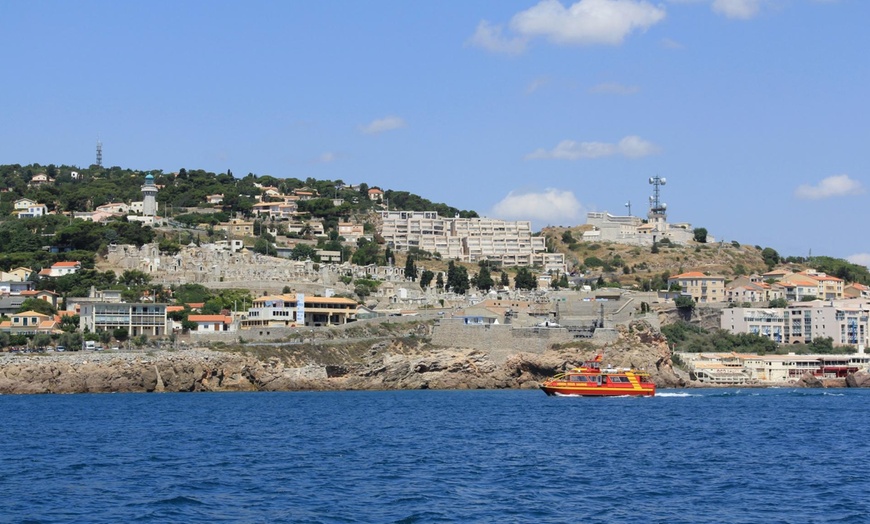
[
  {"x": 770, "y": 256},
  {"x": 134, "y": 278},
  {"x": 120, "y": 334},
  {"x": 779, "y": 303},
  {"x": 700, "y": 235},
  {"x": 303, "y": 252},
  {"x": 366, "y": 253},
  {"x": 439, "y": 281},
  {"x": 426, "y": 278},
  {"x": 484, "y": 281},
  {"x": 525, "y": 279},
  {"x": 264, "y": 247},
  {"x": 505, "y": 280},
  {"x": 35, "y": 304},
  {"x": 410, "y": 269},
  {"x": 457, "y": 278},
  {"x": 655, "y": 248},
  {"x": 684, "y": 302}
]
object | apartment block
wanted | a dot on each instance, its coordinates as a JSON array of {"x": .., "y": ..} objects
[{"x": 511, "y": 243}]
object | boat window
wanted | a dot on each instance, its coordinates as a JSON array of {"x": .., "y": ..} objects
[
  {"x": 618, "y": 380},
  {"x": 578, "y": 378}
]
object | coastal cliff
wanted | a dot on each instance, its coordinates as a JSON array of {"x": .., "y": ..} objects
[{"x": 397, "y": 363}]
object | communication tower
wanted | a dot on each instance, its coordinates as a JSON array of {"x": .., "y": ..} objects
[
  {"x": 99, "y": 153},
  {"x": 657, "y": 208}
]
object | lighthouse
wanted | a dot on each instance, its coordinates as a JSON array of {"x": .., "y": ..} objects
[{"x": 149, "y": 197}]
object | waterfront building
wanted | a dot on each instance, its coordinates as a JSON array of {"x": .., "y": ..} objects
[
  {"x": 29, "y": 323},
  {"x": 297, "y": 310},
  {"x": 137, "y": 318},
  {"x": 845, "y": 322},
  {"x": 211, "y": 323},
  {"x": 59, "y": 269},
  {"x": 739, "y": 368}
]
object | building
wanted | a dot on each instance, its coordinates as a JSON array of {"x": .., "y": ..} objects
[
  {"x": 149, "y": 197},
  {"x": 19, "y": 274},
  {"x": 26, "y": 208},
  {"x": 289, "y": 310},
  {"x": 211, "y": 323},
  {"x": 137, "y": 318},
  {"x": 737, "y": 368},
  {"x": 276, "y": 210},
  {"x": 350, "y": 231},
  {"x": 509, "y": 243},
  {"x": 59, "y": 269},
  {"x": 29, "y": 323},
  {"x": 376, "y": 195},
  {"x": 845, "y": 322},
  {"x": 702, "y": 288},
  {"x": 825, "y": 286},
  {"x": 236, "y": 227}
]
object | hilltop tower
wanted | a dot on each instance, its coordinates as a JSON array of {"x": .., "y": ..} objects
[
  {"x": 657, "y": 214},
  {"x": 149, "y": 197},
  {"x": 99, "y": 153}
]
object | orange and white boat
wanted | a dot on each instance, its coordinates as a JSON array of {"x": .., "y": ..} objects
[{"x": 591, "y": 380}]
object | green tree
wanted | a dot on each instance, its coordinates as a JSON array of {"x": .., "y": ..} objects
[
  {"x": 780, "y": 303},
  {"x": 505, "y": 280},
  {"x": 770, "y": 256},
  {"x": 304, "y": 251},
  {"x": 700, "y": 235},
  {"x": 525, "y": 279},
  {"x": 426, "y": 278},
  {"x": 439, "y": 281},
  {"x": 410, "y": 269},
  {"x": 120, "y": 334},
  {"x": 35, "y": 304},
  {"x": 484, "y": 280},
  {"x": 264, "y": 247}
]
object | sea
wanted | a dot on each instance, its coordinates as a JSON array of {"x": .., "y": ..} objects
[{"x": 683, "y": 456}]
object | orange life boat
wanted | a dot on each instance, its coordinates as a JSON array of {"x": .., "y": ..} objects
[{"x": 591, "y": 380}]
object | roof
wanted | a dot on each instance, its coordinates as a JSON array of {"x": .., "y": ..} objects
[
  {"x": 66, "y": 264},
  {"x": 31, "y": 313},
  {"x": 209, "y": 318},
  {"x": 309, "y": 299},
  {"x": 694, "y": 274}
]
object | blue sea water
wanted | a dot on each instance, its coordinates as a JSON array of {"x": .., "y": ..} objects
[{"x": 684, "y": 456}]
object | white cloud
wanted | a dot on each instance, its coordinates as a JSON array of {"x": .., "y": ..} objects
[
  {"x": 743, "y": 9},
  {"x": 613, "y": 88},
  {"x": 587, "y": 21},
  {"x": 584, "y": 22},
  {"x": 833, "y": 186},
  {"x": 862, "y": 259},
  {"x": 384, "y": 124},
  {"x": 490, "y": 37},
  {"x": 536, "y": 84},
  {"x": 668, "y": 43},
  {"x": 553, "y": 206},
  {"x": 630, "y": 146},
  {"x": 326, "y": 158}
]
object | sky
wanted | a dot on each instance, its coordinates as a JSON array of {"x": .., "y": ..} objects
[{"x": 756, "y": 112}]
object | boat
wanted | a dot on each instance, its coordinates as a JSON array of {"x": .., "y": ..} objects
[{"x": 592, "y": 380}]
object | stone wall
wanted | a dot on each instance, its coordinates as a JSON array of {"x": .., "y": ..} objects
[{"x": 499, "y": 341}]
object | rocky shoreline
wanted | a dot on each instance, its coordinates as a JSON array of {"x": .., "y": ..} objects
[{"x": 377, "y": 364}]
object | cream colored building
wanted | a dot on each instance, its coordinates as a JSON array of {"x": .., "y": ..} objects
[
  {"x": 512, "y": 243},
  {"x": 702, "y": 288}
]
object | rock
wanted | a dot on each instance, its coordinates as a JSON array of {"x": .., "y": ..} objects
[
  {"x": 860, "y": 379},
  {"x": 809, "y": 381}
]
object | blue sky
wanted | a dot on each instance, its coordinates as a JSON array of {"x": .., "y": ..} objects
[{"x": 756, "y": 111}]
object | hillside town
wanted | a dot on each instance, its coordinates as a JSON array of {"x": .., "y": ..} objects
[{"x": 298, "y": 259}]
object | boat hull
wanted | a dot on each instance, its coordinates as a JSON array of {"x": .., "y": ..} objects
[{"x": 602, "y": 391}]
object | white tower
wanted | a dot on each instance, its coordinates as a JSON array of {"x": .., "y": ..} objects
[{"x": 149, "y": 197}]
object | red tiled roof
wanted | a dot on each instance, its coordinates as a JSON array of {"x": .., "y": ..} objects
[
  {"x": 66, "y": 264},
  {"x": 209, "y": 318}
]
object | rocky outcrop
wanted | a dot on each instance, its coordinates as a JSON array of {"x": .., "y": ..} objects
[
  {"x": 402, "y": 363},
  {"x": 860, "y": 379}
]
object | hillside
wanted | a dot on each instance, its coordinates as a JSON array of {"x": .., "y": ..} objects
[{"x": 632, "y": 265}]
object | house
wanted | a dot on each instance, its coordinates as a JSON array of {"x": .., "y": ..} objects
[
  {"x": 19, "y": 274},
  {"x": 215, "y": 199},
  {"x": 29, "y": 323},
  {"x": 702, "y": 288},
  {"x": 26, "y": 208},
  {"x": 276, "y": 210},
  {"x": 43, "y": 294},
  {"x": 40, "y": 179},
  {"x": 350, "y": 231},
  {"x": 211, "y": 323},
  {"x": 856, "y": 291},
  {"x": 236, "y": 227},
  {"x": 59, "y": 269},
  {"x": 114, "y": 207},
  {"x": 376, "y": 195},
  {"x": 22, "y": 204}
]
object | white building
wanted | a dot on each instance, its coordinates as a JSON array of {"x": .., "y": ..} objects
[
  {"x": 511, "y": 243},
  {"x": 149, "y": 197},
  {"x": 845, "y": 322}
]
